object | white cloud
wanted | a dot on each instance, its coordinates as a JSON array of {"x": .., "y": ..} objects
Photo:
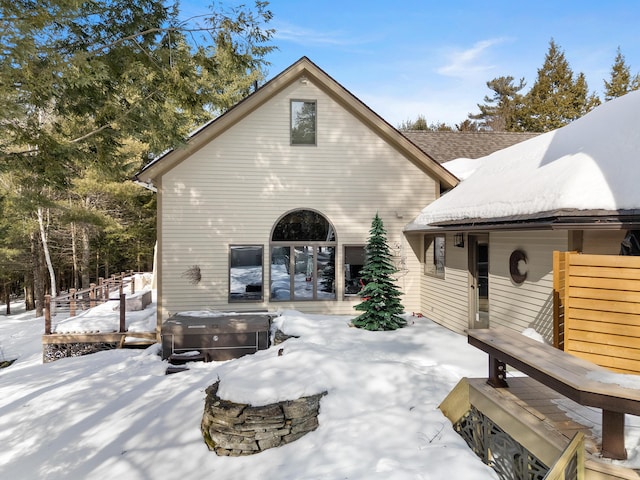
[
  {"x": 466, "y": 63},
  {"x": 309, "y": 37}
]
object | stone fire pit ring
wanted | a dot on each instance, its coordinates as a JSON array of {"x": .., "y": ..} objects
[{"x": 237, "y": 429}]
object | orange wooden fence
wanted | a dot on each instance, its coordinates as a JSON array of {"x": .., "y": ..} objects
[{"x": 597, "y": 308}]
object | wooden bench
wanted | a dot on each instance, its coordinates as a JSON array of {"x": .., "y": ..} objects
[{"x": 564, "y": 373}]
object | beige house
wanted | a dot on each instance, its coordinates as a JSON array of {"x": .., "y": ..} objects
[
  {"x": 488, "y": 244},
  {"x": 270, "y": 205}
]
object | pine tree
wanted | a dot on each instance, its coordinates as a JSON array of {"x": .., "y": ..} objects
[
  {"x": 468, "y": 126},
  {"x": 555, "y": 99},
  {"x": 621, "y": 82},
  {"x": 499, "y": 113},
  {"x": 381, "y": 305},
  {"x": 79, "y": 80},
  {"x": 421, "y": 124}
]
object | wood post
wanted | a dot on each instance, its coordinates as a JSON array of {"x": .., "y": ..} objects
[
  {"x": 557, "y": 300},
  {"x": 92, "y": 295},
  {"x": 72, "y": 302},
  {"x": 613, "y": 435},
  {"x": 47, "y": 314},
  {"x": 123, "y": 307},
  {"x": 497, "y": 373}
]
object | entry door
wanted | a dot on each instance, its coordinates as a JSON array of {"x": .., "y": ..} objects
[{"x": 479, "y": 281}]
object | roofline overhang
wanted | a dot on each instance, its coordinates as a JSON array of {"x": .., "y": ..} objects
[
  {"x": 605, "y": 220},
  {"x": 302, "y": 68}
]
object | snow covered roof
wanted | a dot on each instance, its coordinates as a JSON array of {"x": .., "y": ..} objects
[{"x": 591, "y": 165}]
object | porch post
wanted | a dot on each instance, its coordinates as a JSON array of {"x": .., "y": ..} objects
[
  {"x": 613, "y": 435},
  {"x": 47, "y": 314},
  {"x": 72, "y": 302},
  {"x": 123, "y": 307}
]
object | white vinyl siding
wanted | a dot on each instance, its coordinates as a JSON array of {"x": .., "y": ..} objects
[
  {"x": 602, "y": 242},
  {"x": 234, "y": 189},
  {"x": 530, "y": 304},
  {"x": 445, "y": 300}
]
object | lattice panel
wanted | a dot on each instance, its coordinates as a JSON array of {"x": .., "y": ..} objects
[
  {"x": 55, "y": 351},
  {"x": 499, "y": 450}
]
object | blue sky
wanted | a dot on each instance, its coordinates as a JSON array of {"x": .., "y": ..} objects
[{"x": 433, "y": 58}]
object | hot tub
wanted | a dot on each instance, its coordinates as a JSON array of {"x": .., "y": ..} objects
[{"x": 216, "y": 336}]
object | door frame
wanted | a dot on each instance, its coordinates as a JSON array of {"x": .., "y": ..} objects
[{"x": 473, "y": 240}]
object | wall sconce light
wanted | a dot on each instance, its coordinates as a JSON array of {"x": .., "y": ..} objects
[{"x": 458, "y": 240}]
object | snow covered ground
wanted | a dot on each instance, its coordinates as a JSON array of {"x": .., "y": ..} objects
[{"x": 115, "y": 414}]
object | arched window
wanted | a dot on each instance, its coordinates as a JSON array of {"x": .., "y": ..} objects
[{"x": 303, "y": 257}]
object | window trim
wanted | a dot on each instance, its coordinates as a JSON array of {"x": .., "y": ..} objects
[
  {"x": 292, "y": 244},
  {"x": 430, "y": 258},
  {"x": 345, "y": 295},
  {"x": 315, "y": 123},
  {"x": 292, "y": 265},
  {"x": 231, "y": 299}
]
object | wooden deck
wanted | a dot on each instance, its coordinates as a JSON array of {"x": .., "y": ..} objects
[
  {"x": 567, "y": 374},
  {"x": 544, "y": 422}
]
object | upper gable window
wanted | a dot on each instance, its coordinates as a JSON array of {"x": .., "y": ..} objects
[{"x": 303, "y": 122}]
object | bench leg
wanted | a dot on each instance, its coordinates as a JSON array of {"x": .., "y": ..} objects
[
  {"x": 613, "y": 435},
  {"x": 497, "y": 373}
]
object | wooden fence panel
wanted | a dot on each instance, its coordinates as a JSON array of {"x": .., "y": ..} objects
[
  {"x": 559, "y": 273},
  {"x": 600, "y": 298}
]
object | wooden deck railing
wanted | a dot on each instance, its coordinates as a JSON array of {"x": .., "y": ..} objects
[
  {"x": 570, "y": 465},
  {"x": 76, "y": 301}
]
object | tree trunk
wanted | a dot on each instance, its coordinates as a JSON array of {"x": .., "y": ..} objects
[
  {"x": 7, "y": 298},
  {"x": 45, "y": 250},
  {"x": 29, "y": 302},
  {"x": 74, "y": 254},
  {"x": 38, "y": 277},
  {"x": 86, "y": 256}
]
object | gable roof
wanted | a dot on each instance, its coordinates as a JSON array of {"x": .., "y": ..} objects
[
  {"x": 584, "y": 173},
  {"x": 302, "y": 68},
  {"x": 446, "y": 146}
]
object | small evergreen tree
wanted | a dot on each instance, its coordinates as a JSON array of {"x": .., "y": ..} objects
[
  {"x": 621, "y": 81},
  {"x": 420, "y": 123},
  {"x": 468, "y": 126},
  {"x": 381, "y": 305}
]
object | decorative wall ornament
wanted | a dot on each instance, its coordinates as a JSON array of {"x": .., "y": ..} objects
[
  {"x": 518, "y": 266},
  {"x": 192, "y": 274}
]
